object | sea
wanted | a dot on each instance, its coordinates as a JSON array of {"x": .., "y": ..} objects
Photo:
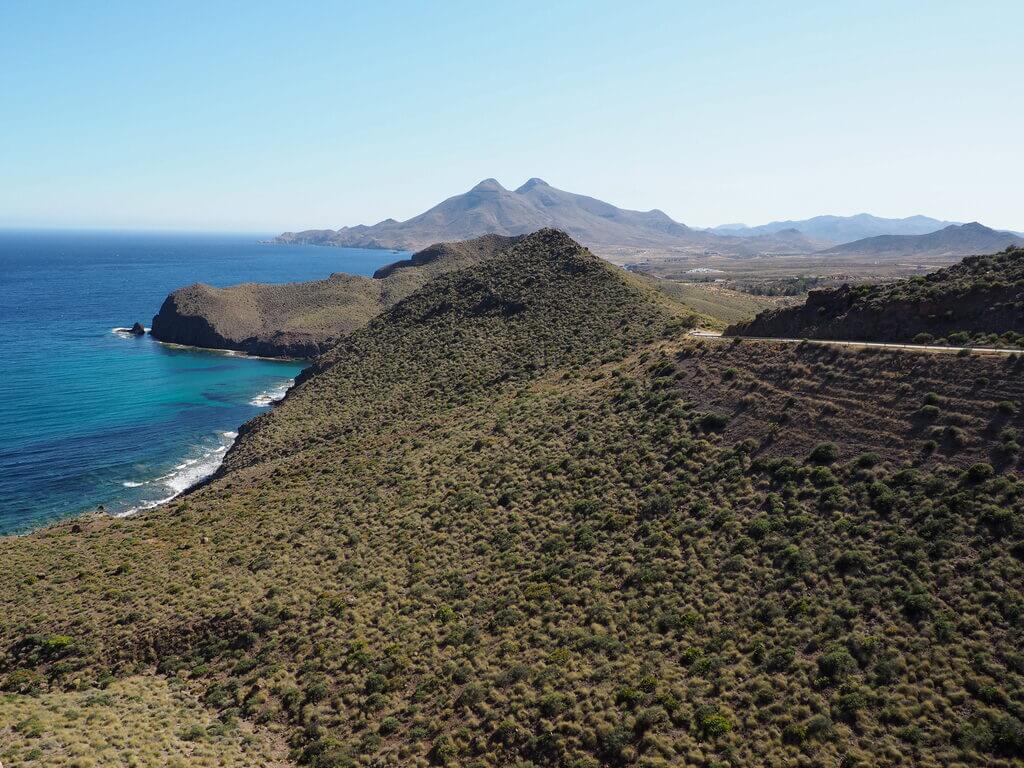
[{"x": 91, "y": 416}]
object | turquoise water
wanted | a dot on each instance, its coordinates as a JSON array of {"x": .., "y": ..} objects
[{"x": 90, "y": 416}]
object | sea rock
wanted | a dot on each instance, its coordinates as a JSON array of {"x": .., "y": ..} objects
[{"x": 138, "y": 330}]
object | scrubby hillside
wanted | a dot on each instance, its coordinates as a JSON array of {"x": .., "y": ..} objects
[
  {"x": 521, "y": 519},
  {"x": 978, "y": 301},
  {"x": 304, "y": 319}
]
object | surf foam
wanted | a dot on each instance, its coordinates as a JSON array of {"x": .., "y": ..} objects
[
  {"x": 186, "y": 474},
  {"x": 272, "y": 395}
]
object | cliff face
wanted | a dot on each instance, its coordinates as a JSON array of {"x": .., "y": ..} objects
[
  {"x": 293, "y": 320},
  {"x": 978, "y": 299},
  {"x": 177, "y": 324},
  {"x": 305, "y": 319}
]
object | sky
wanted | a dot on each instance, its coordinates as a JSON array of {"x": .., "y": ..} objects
[{"x": 262, "y": 117}]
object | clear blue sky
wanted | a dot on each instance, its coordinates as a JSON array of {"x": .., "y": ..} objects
[{"x": 268, "y": 116}]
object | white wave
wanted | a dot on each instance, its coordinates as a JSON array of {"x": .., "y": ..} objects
[
  {"x": 131, "y": 484},
  {"x": 272, "y": 395},
  {"x": 188, "y": 473},
  {"x": 125, "y": 333}
]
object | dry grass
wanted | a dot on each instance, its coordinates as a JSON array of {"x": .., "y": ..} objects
[{"x": 137, "y": 721}]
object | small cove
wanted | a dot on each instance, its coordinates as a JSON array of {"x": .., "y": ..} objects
[{"x": 93, "y": 416}]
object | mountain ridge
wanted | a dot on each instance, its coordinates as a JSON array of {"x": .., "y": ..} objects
[
  {"x": 840, "y": 229},
  {"x": 489, "y": 208},
  {"x": 953, "y": 240}
]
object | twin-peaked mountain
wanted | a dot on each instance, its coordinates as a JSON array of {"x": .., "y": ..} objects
[{"x": 489, "y": 208}]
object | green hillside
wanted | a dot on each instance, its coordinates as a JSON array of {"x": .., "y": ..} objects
[{"x": 521, "y": 519}]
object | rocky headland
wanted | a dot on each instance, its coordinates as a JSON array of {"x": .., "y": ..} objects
[{"x": 305, "y": 319}]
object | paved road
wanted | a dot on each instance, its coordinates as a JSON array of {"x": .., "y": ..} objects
[{"x": 865, "y": 344}]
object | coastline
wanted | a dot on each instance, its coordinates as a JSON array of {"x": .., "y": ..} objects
[
  {"x": 196, "y": 470},
  {"x": 230, "y": 352},
  {"x": 126, "y": 333}
]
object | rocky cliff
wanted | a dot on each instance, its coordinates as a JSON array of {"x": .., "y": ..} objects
[{"x": 305, "y": 319}]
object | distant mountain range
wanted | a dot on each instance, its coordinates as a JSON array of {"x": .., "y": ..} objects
[
  {"x": 841, "y": 229},
  {"x": 954, "y": 240},
  {"x": 489, "y": 208}
]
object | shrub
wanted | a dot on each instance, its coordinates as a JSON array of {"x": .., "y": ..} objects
[
  {"x": 780, "y": 659},
  {"x": 30, "y": 728},
  {"x": 917, "y": 604},
  {"x": 1008, "y": 736},
  {"x": 979, "y": 472},
  {"x": 836, "y": 664},
  {"x": 713, "y": 723},
  {"x": 849, "y": 704},
  {"x": 23, "y": 681},
  {"x": 820, "y": 727},
  {"x": 824, "y": 453},
  {"x": 712, "y": 422},
  {"x": 868, "y": 460},
  {"x": 794, "y": 733}
]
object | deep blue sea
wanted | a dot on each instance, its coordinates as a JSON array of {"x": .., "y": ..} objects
[{"x": 90, "y": 416}]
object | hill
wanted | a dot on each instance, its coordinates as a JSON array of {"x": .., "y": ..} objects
[
  {"x": 520, "y": 518},
  {"x": 304, "y": 319},
  {"x": 979, "y": 300},
  {"x": 841, "y": 229},
  {"x": 952, "y": 241}
]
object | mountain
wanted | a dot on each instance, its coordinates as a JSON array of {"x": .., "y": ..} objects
[
  {"x": 978, "y": 301},
  {"x": 951, "y": 241},
  {"x": 489, "y": 208},
  {"x": 305, "y": 319},
  {"x": 521, "y": 518},
  {"x": 840, "y": 229}
]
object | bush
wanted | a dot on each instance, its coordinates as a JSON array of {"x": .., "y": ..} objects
[
  {"x": 836, "y": 664},
  {"x": 23, "y": 681},
  {"x": 824, "y": 453},
  {"x": 868, "y": 460},
  {"x": 978, "y": 473},
  {"x": 713, "y": 422},
  {"x": 712, "y": 722}
]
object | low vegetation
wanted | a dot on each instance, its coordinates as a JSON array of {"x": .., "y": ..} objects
[
  {"x": 137, "y": 721},
  {"x": 522, "y": 519}
]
